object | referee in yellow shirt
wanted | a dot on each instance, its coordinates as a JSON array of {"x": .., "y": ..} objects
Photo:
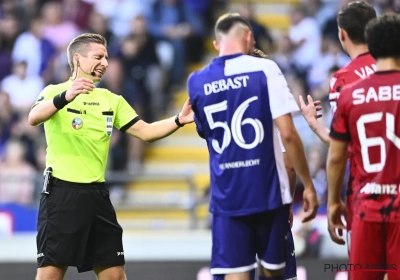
[{"x": 77, "y": 224}]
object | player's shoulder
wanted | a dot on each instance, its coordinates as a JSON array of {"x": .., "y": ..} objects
[
  {"x": 202, "y": 72},
  {"x": 364, "y": 64},
  {"x": 196, "y": 78},
  {"x": 341, "y": 72},
  {"x": 364, "y": 59},
  {"x": 248, "y": 63},
  {"x": 346, "y": 91},
  {"x": 252, "y": 60}
]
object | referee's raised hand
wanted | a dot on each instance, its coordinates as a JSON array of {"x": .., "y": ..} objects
[{"x": 79, "y": 86}]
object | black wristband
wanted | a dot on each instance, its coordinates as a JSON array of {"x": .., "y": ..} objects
[
  {"x": 178, "y": 123},
  {"x": 60, "y": 101}
]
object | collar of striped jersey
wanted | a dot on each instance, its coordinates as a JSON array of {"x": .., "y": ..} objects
[{"x": 223, "y": 59}]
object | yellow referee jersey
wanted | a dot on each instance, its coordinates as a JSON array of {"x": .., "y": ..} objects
[{"x": 78, "y": 136}]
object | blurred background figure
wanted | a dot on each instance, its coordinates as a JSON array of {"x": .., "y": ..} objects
[
  {"x": 298, "y": 88},
  {"x": 99, "y": 24},
  {"x": 58, "y": 30},
  {"x": 140, "y": 60},
  {"x": 121, "y": 12},
  {"x": 306, "y": 40},
  {"x": 17, "y": 176},
  {"x": 316, "y": 156},
  {"x": 321, "y": 10},
  {"x": 77, "y": 11},
  {"x": 7, "y": 114},
  {"x": 175, "y": 22},
  {"x": 261, "y": 33},
  {"x": 40, "y": 54},
  {"x": 331, "y": 55},
  {"x": 32, "y": 85},
  {"x": 5, "y": 58},
  {"x": 9, "y": 30},
  {"x": 283, "y": 55}
]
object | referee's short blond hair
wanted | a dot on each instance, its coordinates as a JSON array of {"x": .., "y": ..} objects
[{"x": 80, "y": 43}]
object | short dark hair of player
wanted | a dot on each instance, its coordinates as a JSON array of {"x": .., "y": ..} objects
[
  {"x": 80, "y": 43},
  {"x": 227, "y": 21},
  {"x": 353, "y": 18},
  {"x": 383, "y": 36}
]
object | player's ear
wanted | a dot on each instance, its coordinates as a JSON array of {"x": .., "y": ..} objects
[
  {"x": 250, "y": 36},
  {"x": 216, "y": 45},
  {"x": 342, "y": 34}
]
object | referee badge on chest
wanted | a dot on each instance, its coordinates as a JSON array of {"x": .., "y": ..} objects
[
  {"x": 109, "y": 125},
  {"x": 77, "y": 123}
]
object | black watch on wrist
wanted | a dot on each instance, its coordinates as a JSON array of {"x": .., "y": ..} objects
[{"x": 178, "y": 123}]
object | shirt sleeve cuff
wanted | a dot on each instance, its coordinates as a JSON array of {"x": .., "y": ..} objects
[
  {"x": 340, "y": 136},
  {"x": 129, "y": 124}
]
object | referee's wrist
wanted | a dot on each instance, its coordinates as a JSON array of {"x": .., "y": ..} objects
[{"x": 60, "y": 101}]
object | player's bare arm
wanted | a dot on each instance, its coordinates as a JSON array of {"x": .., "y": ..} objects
[
  {"x": 295, "y": 152},
  {"x": 291, "y": 173},
  {"x": 45, "y": 110},
  {"x": 158, "y": 130},
  {"x": 292, "y": 182},
  {"x": 336, "y": 167},
  {"x": 311, "y": 116}
]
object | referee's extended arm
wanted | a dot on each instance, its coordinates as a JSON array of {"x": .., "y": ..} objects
[
  {"x": 158, "y": 130},
  {"x": 45, "y": 110}
]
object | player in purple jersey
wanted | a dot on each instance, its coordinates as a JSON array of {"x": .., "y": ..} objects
[{"x": 240, "y": 102}]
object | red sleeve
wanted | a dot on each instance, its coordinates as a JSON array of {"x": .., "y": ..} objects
[
  {"x": 335, "y": 84},
  {"x": 340, "y": 122}
]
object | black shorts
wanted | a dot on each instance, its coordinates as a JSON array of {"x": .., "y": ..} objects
[{"x": 77, "y": 226}]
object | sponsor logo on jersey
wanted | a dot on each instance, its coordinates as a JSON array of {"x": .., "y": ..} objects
[
  {"x": 239, "y": 164},
  {"x": 91, "y": 103},
  {"x": 373, "y": 188}
]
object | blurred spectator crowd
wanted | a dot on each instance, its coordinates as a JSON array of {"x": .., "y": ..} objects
[{"x": 150, "y": 45}]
